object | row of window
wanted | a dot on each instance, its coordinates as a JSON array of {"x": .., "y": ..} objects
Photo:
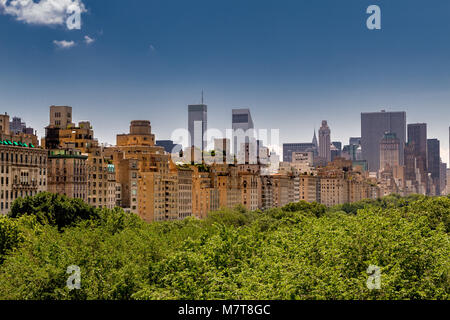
[
  {"x": 4, "y": 181},
  {"x": 22, "y": 158}
]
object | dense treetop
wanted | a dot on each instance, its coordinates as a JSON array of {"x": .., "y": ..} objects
[{"x": 302, "y": 251}]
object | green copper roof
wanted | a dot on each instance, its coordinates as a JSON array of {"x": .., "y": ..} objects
[{"x": 16, "y": 144}]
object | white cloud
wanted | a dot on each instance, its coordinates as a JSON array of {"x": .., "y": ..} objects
[
  {"x": 64, "y": 44},
  {"x": 88, "y": 39},
  {"x": 43, "y": 12}
]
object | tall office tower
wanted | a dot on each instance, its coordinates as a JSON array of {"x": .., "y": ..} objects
[
  {"x": 197, "y": 125},
  {"x": 324, "y": 141},
  {"x": 241, "y": 122},
  {"x": 373, "y": 127},
  {"x": 336, "y": 150},
  {"x": 60, "y": 116},
  {"x": 434, "y": 166},
  {"x": 417, "y": 136},
  {"x": 443, "y": 177},
  {"x": 17, "y": 126},
  {"x": 389, "y": 151}
]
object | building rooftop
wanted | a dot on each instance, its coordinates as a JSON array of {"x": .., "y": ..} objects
[{"x": 16, "y": 144}]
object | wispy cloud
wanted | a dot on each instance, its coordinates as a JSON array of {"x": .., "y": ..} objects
[
  {"x": 152, "y": 48},
  {"x": 64, "y": 44},
  {"x": 88, "y": 40},
  {"x": 43, "y": 12}
]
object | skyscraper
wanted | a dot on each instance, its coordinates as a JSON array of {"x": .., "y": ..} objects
[
  {"x": 197, "y": 125},
  {"x": 417, "y": 137},
  {"x": 373, "y": 127},
  {"x": 324, "y": 142},
  {"x": 336, "y": 150},
  {"x": 17, "y": 126},
  {"x": 389, "y": 154},
  {"x": 241, "y": 122},
  {"x": 443, "y": 178},
  {"x": 434, "y": 164}
]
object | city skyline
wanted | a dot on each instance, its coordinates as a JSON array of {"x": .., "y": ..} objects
[
  {"x": 444, "y": 151},
  {"x": 276, "y": 60}
]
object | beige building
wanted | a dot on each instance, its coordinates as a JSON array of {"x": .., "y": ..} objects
[
  {"x": 23, "y": 171},
  {"x": 148, "y": 182},
  {"x": 250, "y": 185},
  {"x": 67, "y": 173},
  {"x": 61, "y": 116},
  {"x": 4, "y": 124},
  {"x": 184, "y": 191},
  {"x": 283, "y": 190},
  {"x": 158, "y": 189},
  {"x": 309, "y": 188},
  {"x": 63, "y": 134},
  {"x": 101, "y": 179},
  {"x": 340, "y": 184}
]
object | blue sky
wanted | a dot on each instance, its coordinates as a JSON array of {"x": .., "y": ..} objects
[{"x": 292, "y": 62}]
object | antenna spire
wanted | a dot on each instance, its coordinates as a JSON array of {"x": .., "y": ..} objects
[{"x": 202, "y": 96}]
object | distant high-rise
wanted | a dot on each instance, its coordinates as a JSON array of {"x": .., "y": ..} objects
[
  {"x": 289, "y": 148},
  {"x": 17, "y": 126},
  {"x": 417, "y": 138},
  {"x": 443, "y": 178},
  {"x": 241, "y": 123},
  {"x": 434, "y": 164},
  {"x": 197, "y": 125},
  {"x": 373, "y": 127},
  {"x": 336, "y": 150},
  {"x": 324, "y": 142},
  {"x": 169, "y": 146},
  {"x": 389, "y": 151}
]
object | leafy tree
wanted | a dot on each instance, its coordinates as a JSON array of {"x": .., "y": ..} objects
[
  {"x": 300, "y": 251},
  {"x": 53, "y": 209}
]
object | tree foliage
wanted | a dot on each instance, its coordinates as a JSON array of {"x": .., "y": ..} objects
[
  {"x": 300, "y": 251},
  {"x": 53, "y": 209}
]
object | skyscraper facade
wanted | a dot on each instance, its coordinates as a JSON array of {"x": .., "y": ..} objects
[
  {"x": 434, "y": 165},
  {"x": 17, "y": 126},
  {"x": 197, "y": 125},
  {"x": 324, "y": 142},
  {"x": 373, "y": 127},
  {"x": 417, "y": 138},
  {"x": 241, "y": 122},
  {"x": 389, "y": 151}
]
